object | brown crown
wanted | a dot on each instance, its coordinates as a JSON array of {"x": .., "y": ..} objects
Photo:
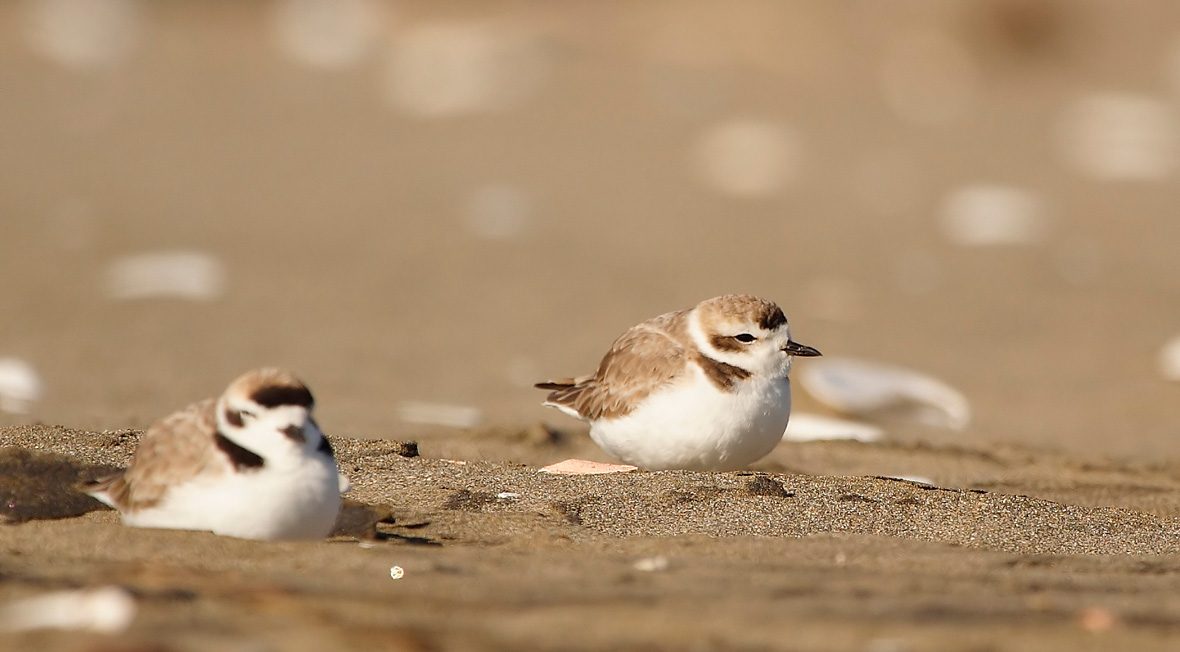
[{"x": 270, "y": 387}]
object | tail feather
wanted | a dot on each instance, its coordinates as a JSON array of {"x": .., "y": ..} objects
[
  {"x": 563, "y": 395},
  {"x": 101, "y": 489}
]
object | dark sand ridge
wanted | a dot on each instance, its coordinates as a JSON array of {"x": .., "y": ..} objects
[{"x": 761, "y": 560}]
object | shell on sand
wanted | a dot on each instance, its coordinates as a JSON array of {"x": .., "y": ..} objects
[
  {"x": 585, "y": 467},
  {"x": 862, "y": 387},
  {"x": 804, "y": 426}
]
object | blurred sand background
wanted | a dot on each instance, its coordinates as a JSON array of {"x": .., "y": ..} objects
[
  {"x": 443, "y": 203},
  {"x": 414, "y": 202}
]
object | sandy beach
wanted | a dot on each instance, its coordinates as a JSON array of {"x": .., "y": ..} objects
[{"x": 1034, "y": 551}]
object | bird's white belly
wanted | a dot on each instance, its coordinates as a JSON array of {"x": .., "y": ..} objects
[
  {"x": 300, "y": 502},
  {"x": 695, "y": 425}
]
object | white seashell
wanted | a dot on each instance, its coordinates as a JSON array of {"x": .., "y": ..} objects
[
  {"x": 439, "y": 414},
  {"x": 1169, "y": 359},
  {"x": 191, "y": 275},
  {"x": 19, "y": 385},
  {"x": 861, "y": 387},
  {"x": 108, "y": 610},
  {"x": 816, "y": 427}
]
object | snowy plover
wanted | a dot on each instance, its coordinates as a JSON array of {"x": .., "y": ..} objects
[
  {"x": 251, "y": 464},
  {"x": 704, "y": 388}
]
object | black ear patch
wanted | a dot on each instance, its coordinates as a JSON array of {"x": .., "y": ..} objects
[
  {"x": 276, "y": 395},
  {"x": 294, "y": 433},
  {"x": 242, "y": 458},
  {"x": 773, "y": 319},
  {"x": 726, "y": 343},
  {"x": 325, "y": 447}
]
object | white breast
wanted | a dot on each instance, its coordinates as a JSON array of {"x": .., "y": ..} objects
[
  {"x": 296, "y": 500},
  {"x": 694, "y": 425}
]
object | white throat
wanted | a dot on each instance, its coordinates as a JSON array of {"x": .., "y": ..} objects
[{"x": 269, "y": 436}]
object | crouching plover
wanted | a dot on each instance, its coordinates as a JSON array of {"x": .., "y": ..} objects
[
  {"x": 704, "y": 388},
  {"x": 251, "y": 464}
]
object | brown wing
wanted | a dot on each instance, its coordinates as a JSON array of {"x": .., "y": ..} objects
[
  {"x": 173, "y": 450},
  {"x": 642, "y": 360}
]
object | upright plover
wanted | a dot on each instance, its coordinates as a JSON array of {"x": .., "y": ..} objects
[
  {"x": 704, "y": 388},
  {"x": 251, "y": 464}
]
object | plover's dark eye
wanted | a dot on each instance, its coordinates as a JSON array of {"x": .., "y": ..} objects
[
  {"x": 234, "y": 418},
  {"x": 744, "y": 338}
]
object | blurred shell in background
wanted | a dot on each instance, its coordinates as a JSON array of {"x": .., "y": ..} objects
[
  {"x": 748, "y": 158},
  {"x": 988, "y": 214},
  {"x": 865, "y": 388},
  {"x": 816, "y": 427},
  {"x": 1119, "y": 137},
  {"x": 19, "y": 385},
  {"x": 439, "y": 414},
  {"x": 327, "y": 33},
  {"x": 1169, "y": 359},
  {"x": 462, "y": 68},
  {"x": 108, "y": 610},
  {"x": 191, "y": 275},
  {"x": 85, "y": 34}
]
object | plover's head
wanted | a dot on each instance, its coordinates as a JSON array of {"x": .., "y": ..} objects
[
  {"x": 747, "y": 332},
  {"x": 267, "y": 401}
]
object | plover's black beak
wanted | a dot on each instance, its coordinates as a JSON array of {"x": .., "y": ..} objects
[{"x": 801, "y": 350}]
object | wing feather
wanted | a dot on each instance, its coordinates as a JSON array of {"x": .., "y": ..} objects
[
  {"x": 173, "y": 450},
  {"x": 647, "y": 357}
]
